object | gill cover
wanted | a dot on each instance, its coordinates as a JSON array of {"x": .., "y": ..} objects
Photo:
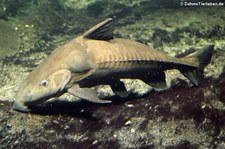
[{"x": 54, "y": 85}]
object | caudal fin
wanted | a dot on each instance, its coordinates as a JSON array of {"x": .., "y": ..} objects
[{"x": 203, "y": 58}]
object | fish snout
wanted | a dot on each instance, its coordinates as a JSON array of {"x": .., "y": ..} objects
[{"x": 20, "y": 107}]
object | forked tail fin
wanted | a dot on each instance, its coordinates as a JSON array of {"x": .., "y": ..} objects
[{"x": 202, "y": 58}]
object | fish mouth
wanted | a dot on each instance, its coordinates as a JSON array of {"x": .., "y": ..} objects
[{"x": 21, "y": 107}]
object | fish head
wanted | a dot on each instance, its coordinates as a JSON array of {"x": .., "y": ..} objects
[
  {"x": 51, "y": 78},
  {"x": 38, "y": 88}
]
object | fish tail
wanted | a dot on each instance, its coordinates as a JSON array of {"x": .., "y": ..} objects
[{"x": 202, "y": 58}]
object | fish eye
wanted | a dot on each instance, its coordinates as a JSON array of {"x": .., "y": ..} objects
[{"x": 44, "y": 83}]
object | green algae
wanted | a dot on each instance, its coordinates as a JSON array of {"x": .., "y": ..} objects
[
  {"x": 9, "y": 41},
  {"x": 182, "y": 28}
]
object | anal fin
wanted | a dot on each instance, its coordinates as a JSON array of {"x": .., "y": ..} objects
[
  {"x": 195, "y": 76},
  {"x": 86, "y": 94},
  {"x": 119, "y": 88},
  {"x": 155, "y": 79}
]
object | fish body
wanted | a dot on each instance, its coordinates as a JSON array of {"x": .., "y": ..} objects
[{"x": 95, "y": 58}]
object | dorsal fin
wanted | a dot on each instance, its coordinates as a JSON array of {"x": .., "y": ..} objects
[{"x": 101, "y": 31}]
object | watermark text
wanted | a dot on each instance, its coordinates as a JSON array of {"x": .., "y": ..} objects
[{"x": 198, "y": 4}]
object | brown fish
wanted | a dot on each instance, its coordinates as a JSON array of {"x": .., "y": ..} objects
[{"x": 96, "y": 57}]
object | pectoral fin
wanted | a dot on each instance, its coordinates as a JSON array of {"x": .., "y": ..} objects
[
  {"x": 119, "y": 88},
  {"x": 87, "y": 94}
]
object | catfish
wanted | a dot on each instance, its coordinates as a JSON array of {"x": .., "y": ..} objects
[{"x": 97, "y": 58}]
